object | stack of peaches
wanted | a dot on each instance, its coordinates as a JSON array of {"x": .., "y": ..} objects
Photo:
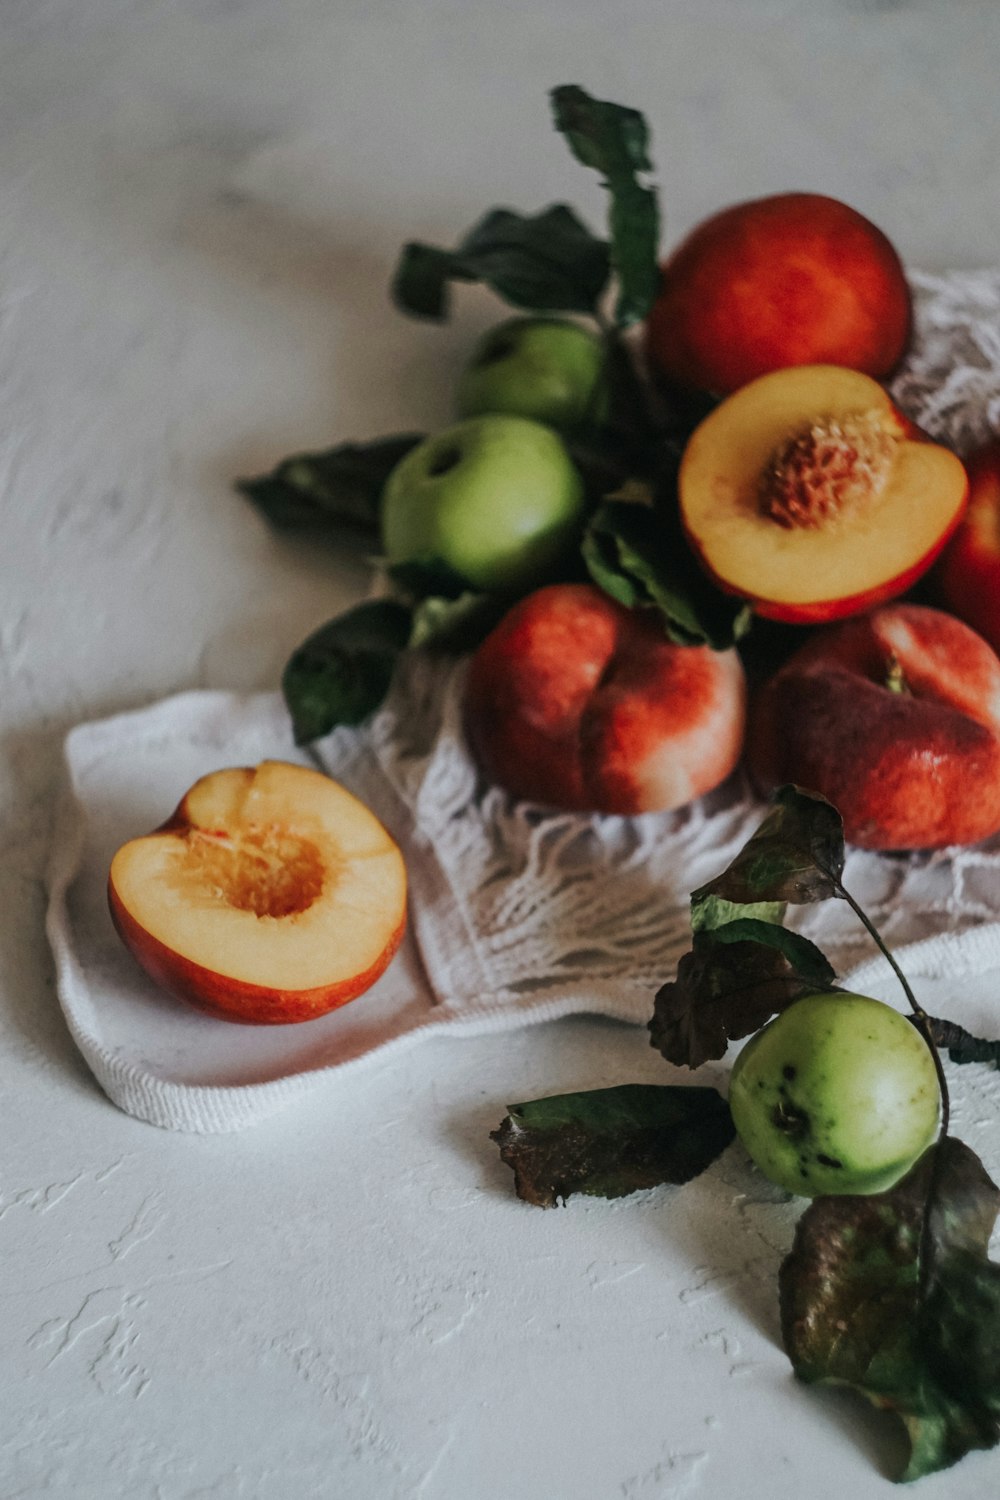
[
  {"x": 803, "y": 492},
  {"x": 806, "y": 493}
]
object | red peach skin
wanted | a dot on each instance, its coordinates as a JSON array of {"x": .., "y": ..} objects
[
  {"x": 969, "y": 574},
  {"x": 577, "y": 702},
  {"x": 793, "y": 279},
  {"x": 912, "y": 768},
  {"x": 231, "y": 999}
]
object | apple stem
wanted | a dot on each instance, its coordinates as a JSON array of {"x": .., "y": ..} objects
[
  {"x": 919, "y": 1014},
  {"x": 923, "y": 1024}
]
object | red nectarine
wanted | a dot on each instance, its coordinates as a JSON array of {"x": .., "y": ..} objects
[
  {"x": 969, "y": 575},
  {"x": 808, "y": 494},
  {"x": 895, "y": 718},
  {"x": 271, "y": 895},
  {"x": 793, "y": 279},
  {"x": 577, "y": 702}
]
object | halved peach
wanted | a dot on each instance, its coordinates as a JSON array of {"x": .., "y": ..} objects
[
  {"x": 271, "y": 895},
  {"x": 807, "y": 493}
]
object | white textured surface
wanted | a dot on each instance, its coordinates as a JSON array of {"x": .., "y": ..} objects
[{"x": 202, "y": 203}]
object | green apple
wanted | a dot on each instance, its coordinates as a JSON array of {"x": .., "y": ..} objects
[
  {"x": 838, "y": 1094},
  {"x": 545, "y": 368},
  {"x": 496, "y": 498}
]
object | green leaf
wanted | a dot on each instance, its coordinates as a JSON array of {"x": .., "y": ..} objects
[
  {"x": 962, "y": 1046},
  {"x": 447, "y": 614},
  {"x": 427, "y": 577},
  {"x": 610, "y": 1142},
  {"x": 713, "y": 912},
  {"x": 606, "y": 464},
  {"x": 420, "y": 281},
  {"x": 614, "y": 140},
  {"x": 455, "y": 624},
  {"x": 733, "y": 980},
  {"x": 342, "y": 672},
  {"x": 904, "y": 1312},
  {"x": 806, "y": 960},
  {"x": 639, "y": 560},
  {"x": 797, "y": 854},
  {"x": 744, "y": 965},
  {"x": 547, "y": 263},
  {"x": 337, "y": 490}
]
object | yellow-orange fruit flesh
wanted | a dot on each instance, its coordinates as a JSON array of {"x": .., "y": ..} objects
[
  {"x": 271, "y": 895},
  {"x": 881, "y": 526}
]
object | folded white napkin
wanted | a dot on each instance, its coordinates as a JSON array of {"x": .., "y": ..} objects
[{"x": 516, "y": 914}]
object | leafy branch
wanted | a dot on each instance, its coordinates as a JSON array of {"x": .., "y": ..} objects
[
  {"x": 550, "y": 261},
  {"x": 891, "y": 1293},
  {"x": 615, "y": 141},
  {"x": 894, "y": 1295}
]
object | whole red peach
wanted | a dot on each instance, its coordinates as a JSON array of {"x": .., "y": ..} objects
[
  {"x": 793, "y": 279},
  {"x": 894, "y": 716},
  {"x": 969, "y": 573},
  {"x": 576, "y": 702}
]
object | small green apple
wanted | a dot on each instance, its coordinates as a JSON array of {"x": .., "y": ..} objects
[
  {"x": 838, "y": 1094},
  {"x": 545, "y": 368},
  {"x": 495, "y": 498}
]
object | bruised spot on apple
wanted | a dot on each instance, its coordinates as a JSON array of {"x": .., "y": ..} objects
[
  {"x": 807, "y": 494},
  {"x": 791, "y": 279},
  {"x": 894, "y": 717},
  {"x": 271, "y": 895},
  {"x": 969, "y": 572},
  {"x": 576, "y": 702}
]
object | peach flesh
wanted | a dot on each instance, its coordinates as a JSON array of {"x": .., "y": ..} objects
[
  {"x": 769, "y": 515},
  {"x": 271, "y": 895}
]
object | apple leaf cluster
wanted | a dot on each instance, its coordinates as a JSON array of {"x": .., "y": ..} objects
[
  {"x": 894, "y": 1295},
  {"x": 546, "y": 262},
  {"x": 341, "y": 673},
  {"x": 631, "y": 555},
  {"x": 550, "y": 264},
  {"x": 744, "y": 965},
  {"x": 891, "y": 1293},
  {"x": 615, "y": 141},
  {"x": 610, "y": 1142}
]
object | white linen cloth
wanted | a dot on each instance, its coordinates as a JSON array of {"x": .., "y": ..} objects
[{"x": 516, "y": 914}]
